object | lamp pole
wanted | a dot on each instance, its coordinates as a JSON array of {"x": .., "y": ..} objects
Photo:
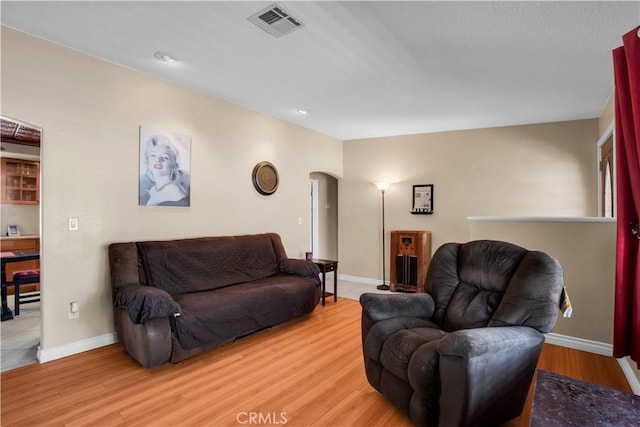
[{"x": 383, "y": 287}]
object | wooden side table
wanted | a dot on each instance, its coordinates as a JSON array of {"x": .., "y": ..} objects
[{"x": 327, "y": 266}]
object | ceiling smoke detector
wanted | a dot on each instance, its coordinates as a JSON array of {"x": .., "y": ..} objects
[
  {"x": 276, "y": 20},
  {"x": 165, "y": 57}
]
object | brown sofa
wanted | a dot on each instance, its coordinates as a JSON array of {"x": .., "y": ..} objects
[{"x": 173, "y": 299}]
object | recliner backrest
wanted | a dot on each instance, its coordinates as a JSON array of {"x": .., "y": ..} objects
[{"x": 492, "y": 283}]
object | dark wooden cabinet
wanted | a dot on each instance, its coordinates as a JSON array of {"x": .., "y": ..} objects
[
  {"x": 410, "y": 257},
  {"x": 20, "y": 182}
]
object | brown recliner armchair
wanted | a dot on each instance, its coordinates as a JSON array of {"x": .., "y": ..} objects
[{"x": 463, "y": 353}]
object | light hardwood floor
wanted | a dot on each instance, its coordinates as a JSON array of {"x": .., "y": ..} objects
[{"x": 308, "y": 372}]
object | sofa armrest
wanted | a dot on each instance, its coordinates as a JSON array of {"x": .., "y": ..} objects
[
  {"x": 145, "y": 302},
  {"x": 300, "y": 267},
  {"x": 383, "y": 306},
  {"x": 149, "y": 343},
  {"x": 485, "y": 373}
]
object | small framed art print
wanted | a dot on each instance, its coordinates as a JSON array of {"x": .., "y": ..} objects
[{"x": 422, "y": 199}]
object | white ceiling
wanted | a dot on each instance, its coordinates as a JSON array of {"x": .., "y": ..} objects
[{"x": 362, "y": 69}]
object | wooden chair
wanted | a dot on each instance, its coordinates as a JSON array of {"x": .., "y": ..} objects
[{"x": 25, "y": 277}]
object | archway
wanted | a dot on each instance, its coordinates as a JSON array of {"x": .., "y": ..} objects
[{"x": 324, "y": 215}]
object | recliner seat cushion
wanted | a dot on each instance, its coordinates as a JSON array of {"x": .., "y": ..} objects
[
  {"x": 410, "y": 367},
  {"x": 381, "y": 330},
  {"x": 399, "y": 348}
]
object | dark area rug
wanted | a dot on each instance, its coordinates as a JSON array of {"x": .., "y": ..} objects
[{"x": 564, "y": 401}]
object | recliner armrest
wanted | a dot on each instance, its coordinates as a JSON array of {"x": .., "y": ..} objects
[
  {"x": 469, "y": 343},
  {"x": 145, "y": 302},
  {"x": 384, "y": 306}
]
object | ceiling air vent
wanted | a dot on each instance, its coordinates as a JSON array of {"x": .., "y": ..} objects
[{"x": 276, "y": 20}]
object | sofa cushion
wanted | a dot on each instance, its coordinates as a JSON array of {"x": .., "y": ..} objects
[
  {"x": 300, "y": 267},
  {"x": 201, "y": 264},
  {"x": 220, "y": 316}
]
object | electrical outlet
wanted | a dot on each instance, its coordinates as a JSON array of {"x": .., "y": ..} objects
[
  {"x": 73, "y": 224},
  {"x": 74, "y": 310}
]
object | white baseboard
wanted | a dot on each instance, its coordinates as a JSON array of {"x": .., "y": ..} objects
[
  {"x": 49, "y": 354},
  {"x": 580, "y": 344},
  {"x": 356, "y": 279},
  {"x": 627, "y": 369}
]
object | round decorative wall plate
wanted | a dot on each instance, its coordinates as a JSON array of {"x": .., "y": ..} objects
[{"x": 265, "y": 178}]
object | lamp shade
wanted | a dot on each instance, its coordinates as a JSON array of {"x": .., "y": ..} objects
[{"x": 382, "y": 186}]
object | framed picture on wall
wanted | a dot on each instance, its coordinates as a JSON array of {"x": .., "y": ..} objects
[
  {"x": 165, "y": 168},
  {"x": 422, "y": 199},
  {"x": 13, "y": 230}
]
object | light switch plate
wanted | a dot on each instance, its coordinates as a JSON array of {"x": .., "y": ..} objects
[{"x": 74, "y": 310}]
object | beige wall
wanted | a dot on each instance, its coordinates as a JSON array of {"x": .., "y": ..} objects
[
  {"x": 534, "y": 170},
  {"x": 586, "y": 248},
  {"x": 90, "y": 111},
  {"x": 607, "y": 116},
  {"x": 27, "y": 218}
]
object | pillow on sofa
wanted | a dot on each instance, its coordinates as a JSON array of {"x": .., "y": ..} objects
[
  {"x": 300, "y": 267},
  {"x": 144, "y": 302}
]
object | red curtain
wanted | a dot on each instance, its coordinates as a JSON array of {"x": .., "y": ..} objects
[{"x": 626, "y": 328}]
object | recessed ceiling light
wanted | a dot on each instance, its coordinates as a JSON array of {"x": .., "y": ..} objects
[
  {"x": 165, "y": 57},
  {"x": 302, "y": 112}
]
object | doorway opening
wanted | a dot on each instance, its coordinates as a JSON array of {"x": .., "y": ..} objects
[
  {"x": 323, "y": 233},
  {"x": 315, "y": 218},
  {"x": 21, "y": 214}
]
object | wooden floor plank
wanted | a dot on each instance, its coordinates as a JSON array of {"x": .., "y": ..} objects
[{"x": 308, "y": 372}]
